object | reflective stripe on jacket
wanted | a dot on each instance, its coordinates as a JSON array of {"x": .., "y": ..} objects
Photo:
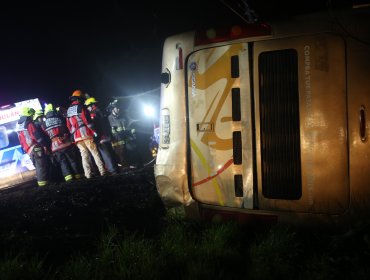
[
  {"x": 117, "y": 128},
  {"x": 57, "y": 131},
  {"x": 27, "y": 134},
  {"x": 79, "y": 122},
  {"x": 101, "y": 124}
]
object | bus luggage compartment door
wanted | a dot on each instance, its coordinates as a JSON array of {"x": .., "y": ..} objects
[{"x": 301, "y": 124}]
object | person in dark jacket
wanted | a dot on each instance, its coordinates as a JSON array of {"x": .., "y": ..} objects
[
  {"x": 62, "y": 148},
  {"x": 118, "y": 127},
  {"x": 102, "y": 127},
  {"x": 31, "y": 139}
]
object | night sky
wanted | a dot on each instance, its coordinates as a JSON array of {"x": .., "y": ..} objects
[{"x": 108, "y": 48}]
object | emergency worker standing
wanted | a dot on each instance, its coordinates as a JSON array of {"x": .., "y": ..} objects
[
  {"x": 31, "y": 140},
  {"x": 104, "y": 144},
  {"x": 54, "y": 168},
  {"x": 62, "y": 147},
  {"x": 62, "y": 111},
  {"x": 117, "y": 125},
  {"x": 81, "y": 128},
  {"x": 38, "y": 120},
  {"x": 38, "y": 117}
]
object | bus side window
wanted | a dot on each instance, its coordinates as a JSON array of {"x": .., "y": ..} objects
[{"x": 4, "y": 140}]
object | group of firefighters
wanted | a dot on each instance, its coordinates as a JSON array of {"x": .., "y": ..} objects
[{"x": 81, "y": 141}]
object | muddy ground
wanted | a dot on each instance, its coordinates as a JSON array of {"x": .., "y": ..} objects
[{"x": 59, "y": 217}]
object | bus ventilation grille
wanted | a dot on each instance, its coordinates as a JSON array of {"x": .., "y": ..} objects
[{"x": 279, "y": 125}]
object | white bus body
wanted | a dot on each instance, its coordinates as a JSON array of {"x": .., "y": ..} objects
[{"x": 268, "y": 122}]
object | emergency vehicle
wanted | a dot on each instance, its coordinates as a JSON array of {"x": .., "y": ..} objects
[
  {"x": 15, "y": 166},
  {"x": 268, "y": 121}
]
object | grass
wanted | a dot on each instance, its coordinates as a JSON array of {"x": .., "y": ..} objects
[{"x": 190, "y": 250}]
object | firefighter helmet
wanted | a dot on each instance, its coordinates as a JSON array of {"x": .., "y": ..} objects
[
  {"x": 48, "y": 108},
  {"x": 27, "y": 112},
  {"x": 112, "y": 105},
  {"x": 77, "y": 95},
  {"x": 38, "y": 113},
  {"x": 90, "y": 101}
]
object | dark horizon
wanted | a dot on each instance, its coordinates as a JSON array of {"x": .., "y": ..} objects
[{"x": 105, "y": 49}]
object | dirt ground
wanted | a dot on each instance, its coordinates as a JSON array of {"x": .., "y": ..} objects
[{"x": 62, "y": 215}]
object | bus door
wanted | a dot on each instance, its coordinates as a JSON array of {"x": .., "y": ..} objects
[
  {"x": 220, "y": 134},
  {"x": 301, "y": 124}
]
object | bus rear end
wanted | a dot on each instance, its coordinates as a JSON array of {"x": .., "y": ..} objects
[{"x": 270, "y": 126}]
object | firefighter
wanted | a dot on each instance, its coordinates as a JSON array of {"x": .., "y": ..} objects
[
  {"x": 104, "y": 144},
  {"x": 62, "y": 111},
  {"x": 62, "y": 148},
  {"x": 31, "y": 140},
  {"x": 81, "y": 128},
  {"x": 117, "y": 125},
  {"x": 38, "y": 116},
  {"x": 39, "y": 121},
  {"x": 54, "y": 168}
]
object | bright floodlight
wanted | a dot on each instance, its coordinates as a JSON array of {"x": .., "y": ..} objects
[{"x": 149, "y": 111}]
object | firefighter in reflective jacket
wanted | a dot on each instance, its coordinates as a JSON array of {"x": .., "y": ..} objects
[
  {"x": 81, "y": 128},
  {"x": 54, "y": 168},
  {"x": 31, "y": 139},
  {"x": 101, "y": 125},
  {"x": 63, "y": 149},
  {"x": 38, "y": 118},
  {"x": 39, "y": 121},
  {"x": 117, "y": 124}
]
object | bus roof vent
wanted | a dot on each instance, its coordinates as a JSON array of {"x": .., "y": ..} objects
[{"x": 231, "y": 33}]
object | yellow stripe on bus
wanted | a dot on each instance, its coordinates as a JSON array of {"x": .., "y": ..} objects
[{"x": 206, "y": 166}]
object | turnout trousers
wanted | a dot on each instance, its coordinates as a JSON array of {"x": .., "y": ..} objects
[
  {"x": 86, "y": 147},
  {"x": 41, "y": 162},
  {"x": 70, "y": 163},
  {"x": 109, "y": 158}
]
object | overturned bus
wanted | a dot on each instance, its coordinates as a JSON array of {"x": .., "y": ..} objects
[
  {"x": 15, "y": 166},
  {"x": 268, "y": 121}
]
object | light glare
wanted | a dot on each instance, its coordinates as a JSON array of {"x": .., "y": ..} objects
[{"x": 149, "y": 111}]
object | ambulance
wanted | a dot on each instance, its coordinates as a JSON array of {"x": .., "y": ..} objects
[{"x": 15, "y": 166}]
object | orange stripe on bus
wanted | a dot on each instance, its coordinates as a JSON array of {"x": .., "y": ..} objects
[{"x": 227, "y": 164}]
